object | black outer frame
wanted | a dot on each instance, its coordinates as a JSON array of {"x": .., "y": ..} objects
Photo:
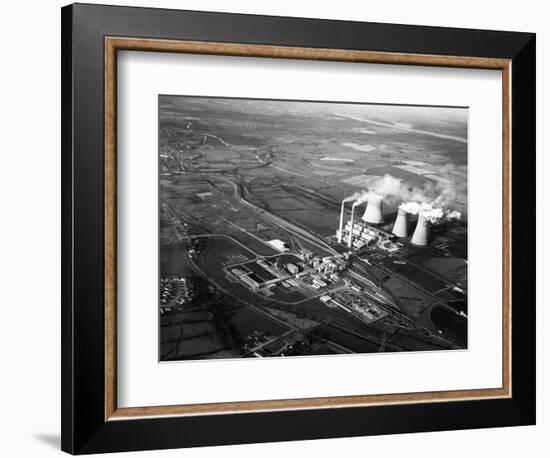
[{"x": 84, "y": 429}]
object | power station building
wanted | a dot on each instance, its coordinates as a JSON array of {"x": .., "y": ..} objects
[
  {"x": 365, "y": 233},
  {"x": 373, "y": 212},
  {"x": 361, "y": 235},
  {"x": 400, "y": 227},
  {"x": 420, "y": 236}
]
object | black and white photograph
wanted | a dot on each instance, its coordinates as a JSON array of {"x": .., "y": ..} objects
[
  {"x": 275, "y": 229},
  {"x": 297, "y": 228}
]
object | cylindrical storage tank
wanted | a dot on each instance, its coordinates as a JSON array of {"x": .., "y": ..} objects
[
  {"x": 373, "y": 212},
  {"x": 400, "y": 225},
  {"x": 420, "y": 236}
]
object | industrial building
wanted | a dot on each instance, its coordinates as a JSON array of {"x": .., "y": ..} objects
[
  {"x": 356, "y": 235},
  {"x": 250, "y": 279},
  {"x": 279, "y": 245},
  {"x": 329, "y": 264},
  {"x": 366, "y": 233},
  {"x": 400, "y": 226},
  {"x": 292, "y": 268},
  {"x": 420, "y": 236},
  {"x": 373, "y": 211}
]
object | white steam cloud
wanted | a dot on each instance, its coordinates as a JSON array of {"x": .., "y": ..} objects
[
  {"x": 365, "y": 196},
  {"x": 354, "y": 196},
  {"x": 431, "y": 212},
  {"x": 433, "y": 202}
]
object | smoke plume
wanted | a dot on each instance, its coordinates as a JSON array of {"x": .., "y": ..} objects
[
  {"x": 389, "y": 187},
  {"x": 432, "y": 201},
  {"x": 354, "y": 196},
  {"x": 432, "y": 211},
  {"x": 365, "y": 196}
]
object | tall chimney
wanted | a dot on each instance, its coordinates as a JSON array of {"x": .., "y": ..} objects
[
  {"x": 351, "y": 224},
  {"x": 341, "y": 229},
  {"x": 400, "y": 225},
  {"x": 373, "y": 212},
  {"x": 420, "y": 236}
]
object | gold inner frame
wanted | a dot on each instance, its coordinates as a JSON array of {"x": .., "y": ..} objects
[{"x": 114, "y": 44}]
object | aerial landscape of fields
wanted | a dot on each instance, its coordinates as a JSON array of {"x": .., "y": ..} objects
[{"x": 294, "y": 228}]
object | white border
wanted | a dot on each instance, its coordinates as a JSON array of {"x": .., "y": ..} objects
[{"x": 143, "y": 381}]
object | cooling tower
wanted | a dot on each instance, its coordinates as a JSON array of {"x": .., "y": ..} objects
[
  {"x": 341, "y": 227},
  {"x": 420, "y": 236},
  {"x": 373, "y": 212},
  {"x": 400, "y": 225},
  {"x": 350, "y": 241}
]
